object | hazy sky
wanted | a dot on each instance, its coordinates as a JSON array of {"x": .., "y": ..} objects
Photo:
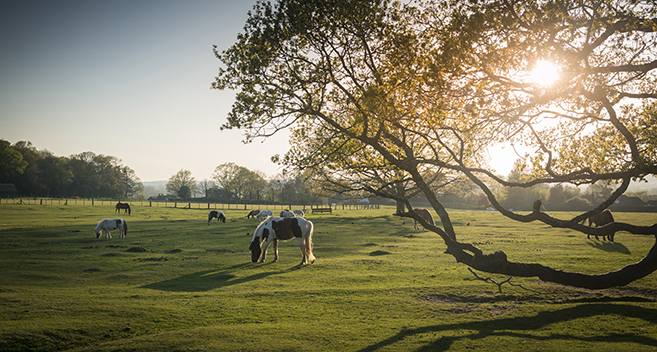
[{"x": 130, "y": 79}]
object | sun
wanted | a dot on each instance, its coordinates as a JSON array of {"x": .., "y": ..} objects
[{"x": 544, "y": 73}]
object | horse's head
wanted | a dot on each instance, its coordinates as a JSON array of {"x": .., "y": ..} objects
[
  {"x": 99, "y": 229},
  {"x": 255, "y": 249}
]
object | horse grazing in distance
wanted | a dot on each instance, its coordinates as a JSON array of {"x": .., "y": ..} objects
[
  {"x": 601, "y": 219},
  {"x": 252, "y": 214},
  {"x": 425, "y": 214},
  {"x": 124, "y": 206},
  {"x": 111, "y": 224},
  {"x": 216, "y": 214},
  {"x": 298, "y": 212},
  {"x": 287, "y": 214},
  {"x": 264, "y": 214},
  {"x": 284, "y": 229}
]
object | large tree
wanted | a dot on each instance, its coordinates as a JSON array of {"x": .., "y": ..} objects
[
  {"x": 426, "y": 88},
  {"x": 182, "y": 183}
]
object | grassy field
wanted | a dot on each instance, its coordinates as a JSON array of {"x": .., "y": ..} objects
[{"x": 177, "y": 284}]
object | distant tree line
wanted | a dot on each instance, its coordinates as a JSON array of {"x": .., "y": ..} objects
[
  {"x": 232, "y": 183},
  {"x": 40, "y": 173}
]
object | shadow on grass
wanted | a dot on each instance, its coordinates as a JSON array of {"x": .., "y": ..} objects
[
  {"x": 609, "y": 247},
  {"x": 524, "y": 327},
  {"x": 212, "y": 279}
]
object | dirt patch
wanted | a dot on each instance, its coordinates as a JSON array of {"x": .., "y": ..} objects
[
  {"x": 378, "y": 253},
  {"x": 220, "y": 250},
  {"x": 154, "y": 259}
]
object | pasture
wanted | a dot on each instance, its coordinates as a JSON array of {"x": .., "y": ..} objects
[{"x": 176, "y": 283}]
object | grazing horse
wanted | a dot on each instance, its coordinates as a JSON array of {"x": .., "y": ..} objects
[
  {"x": 274, "y": 229},
  {"x": 252, "y": 214},
  {"x": 287, "y": 214},
  {"x": 425, "y": 214},
  {"x": 298, "y": 212},
  {"x": 124, "y": 206},
  {"x": 601, "y": 219},
  {"x": 216, "y": 214},
  {"x": 111, "y": 224},
  {"x": 264, "y": 214}
]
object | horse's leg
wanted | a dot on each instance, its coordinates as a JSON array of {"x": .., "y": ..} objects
[
  {"x": 275, "y": 250},
  {"x": 264, "y": 249},
  {"x": 302, "y": 244},
  {"x": 309, "y": 249},
  {"x": 415, "y": 225}
]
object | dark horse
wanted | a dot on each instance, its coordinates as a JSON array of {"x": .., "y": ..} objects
[
  {"x": 601, "y": 219},
  {"x": 124, "y": 206}
]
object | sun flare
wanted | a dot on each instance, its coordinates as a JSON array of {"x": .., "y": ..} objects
[{"x": 544, "y": 73}]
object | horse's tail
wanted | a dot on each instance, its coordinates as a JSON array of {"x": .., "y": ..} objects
[
  {"x": 125, "y": 228},
  {"x": 129, "y": 210},
  {"x": 610, "y": 216},
  {"x": 430, "y": 219},
  {"x": 310, "y": 228}
]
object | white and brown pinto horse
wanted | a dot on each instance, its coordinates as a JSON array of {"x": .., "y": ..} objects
[
  {"x": 284, "y": 229},
  {"x": 298, "y": 212},
  {"x": 111, "y": 224},
  {"x": 425, "y": 214},
  {"x": 219, "y": 215}
]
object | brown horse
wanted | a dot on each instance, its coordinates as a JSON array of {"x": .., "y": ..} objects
[
  {"x": 601, "y": 219},
  {"x": 425, "y": 214},
  {"x": 124, "y": 206}
]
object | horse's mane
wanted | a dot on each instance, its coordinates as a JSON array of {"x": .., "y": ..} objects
[{"x": 258, "y": 231}]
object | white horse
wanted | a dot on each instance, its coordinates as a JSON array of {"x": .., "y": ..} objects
[
  {"x": 264, "y": 214},
  {"x": 298, "y": 212},
  {"x": 274, "y": 229},
  {"x": 287, "y": 214},
  {"x": 111, "y": 224}
]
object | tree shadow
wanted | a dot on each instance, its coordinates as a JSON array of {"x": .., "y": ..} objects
[
  {"x": 523, "y": 327},
  {"x": 609, "y": 247},
  {"x": 212, "y": 279}
]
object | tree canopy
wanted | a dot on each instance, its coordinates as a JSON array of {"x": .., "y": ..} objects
[
  {"x": 425, "y": 88},
  {"x": 41, "y": 173},
  {"x": 182, "y": 184}
]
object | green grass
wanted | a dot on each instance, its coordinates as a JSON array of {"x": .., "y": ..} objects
[{"x": 177, "y": 284}]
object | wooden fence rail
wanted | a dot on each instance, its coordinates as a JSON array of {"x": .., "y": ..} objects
[{"x": 182, "y": 205}]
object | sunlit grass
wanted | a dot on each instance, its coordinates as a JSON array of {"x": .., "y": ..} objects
[{"x": 176, "y": 283}]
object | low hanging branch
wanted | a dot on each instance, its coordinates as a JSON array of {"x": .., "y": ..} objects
[{"x": 498, "y": 263}]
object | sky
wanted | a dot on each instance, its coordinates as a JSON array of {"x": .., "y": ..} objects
[{"x": 130, "y": 79}]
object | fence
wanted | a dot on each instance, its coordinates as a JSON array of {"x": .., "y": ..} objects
[{"x": 176, "y": 204}]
